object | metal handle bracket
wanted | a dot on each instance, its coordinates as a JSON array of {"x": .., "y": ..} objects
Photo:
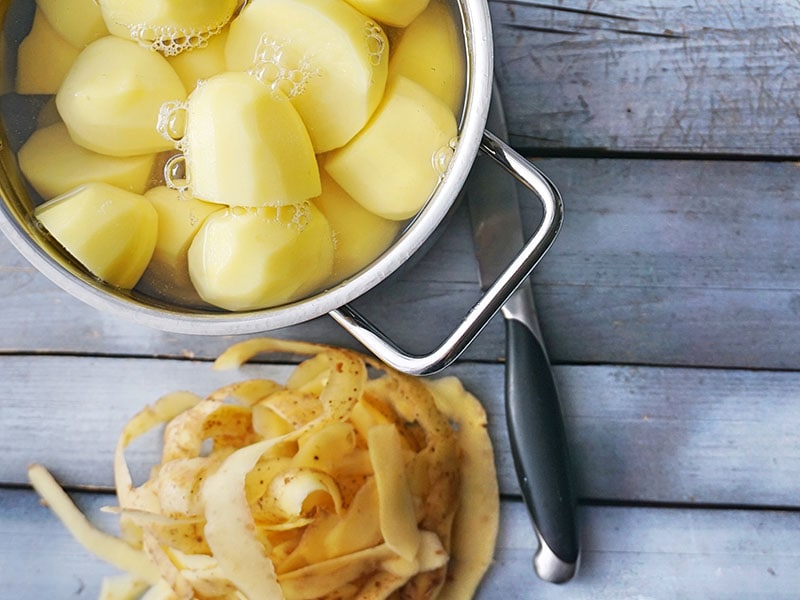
[{"x": 494, "y": 297}]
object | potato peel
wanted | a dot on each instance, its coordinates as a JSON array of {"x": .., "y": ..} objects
[{"x": 338, "y": 484}]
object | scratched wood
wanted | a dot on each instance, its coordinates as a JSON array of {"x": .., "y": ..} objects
[
  {"x": 669, "y": 304},
  {"x": 716, "y": 77},
  {"x": 659, "y": 262},
  {"x": 666, "y": 435},
  {"x": 627, "y": 553}
]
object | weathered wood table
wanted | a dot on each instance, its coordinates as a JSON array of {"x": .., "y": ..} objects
[{"x": 670, "y": 304}]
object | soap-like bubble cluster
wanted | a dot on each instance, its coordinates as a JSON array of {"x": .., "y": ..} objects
[
  {"x": 443, "y": 156},
  {"x": 295, "y": 215},
  {"x": 272, "y": 67},
  {"x": 176, "y": 175},
  {"x": 376, "y": 43},
  {"x": 171, "y": 122},
  {"x": 171, "y": 41}
]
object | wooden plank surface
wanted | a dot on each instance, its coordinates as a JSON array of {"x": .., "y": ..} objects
[
  {"x": 715, "y": 77},
  {"x": 663, "y": 435},
  {"x": 628, "y": 552},
  {"x": 663, "y": 262},
  {"x": 669, "y": 304}
]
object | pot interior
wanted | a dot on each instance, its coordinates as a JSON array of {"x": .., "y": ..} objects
[{"x": 18, "y": 117}]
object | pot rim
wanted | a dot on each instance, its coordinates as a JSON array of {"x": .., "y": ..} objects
[{"x": 33, "y": 245}]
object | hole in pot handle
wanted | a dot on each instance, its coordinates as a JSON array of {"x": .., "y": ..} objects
[{"x": 494, "y": 297}]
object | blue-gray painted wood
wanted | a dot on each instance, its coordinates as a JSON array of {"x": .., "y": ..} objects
[
  {"x": 714, "y": 77},
  {"x": 658, "y": 262},
  {"x": 670, "y": 304},
  {"x": 631, "y": 553},
  {"x": 666, "y": 435}
]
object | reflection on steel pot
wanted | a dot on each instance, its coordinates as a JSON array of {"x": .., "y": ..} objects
[{"x": 21, "y": 228}]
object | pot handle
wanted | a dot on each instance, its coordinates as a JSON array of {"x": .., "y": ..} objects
[{"x": 494, "y": 297}]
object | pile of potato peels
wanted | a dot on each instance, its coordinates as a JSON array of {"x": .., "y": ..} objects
[{"x": 350, "y": 480}]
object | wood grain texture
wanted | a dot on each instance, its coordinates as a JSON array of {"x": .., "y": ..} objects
[
  {"x": 635, "y": 434},
  {"x": 636, "y": 553},
  {"x": 715, "y": 77},
  {"x": 688, "y": 263}
]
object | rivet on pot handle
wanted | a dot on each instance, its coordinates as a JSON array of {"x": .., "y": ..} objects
[{"x": 494, "y": 297}]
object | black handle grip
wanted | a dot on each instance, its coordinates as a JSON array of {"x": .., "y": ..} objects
[{"x": 539, "y": 448}]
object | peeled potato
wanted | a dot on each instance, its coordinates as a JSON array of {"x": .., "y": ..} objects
[
  {"x": 179, "y": 220},
  {"x": 245, "y": 259},
  {"x": 111, "y": 98},
  {"x": 200, "y": 63},
  {"x": 430, "y": 52},
  {"x": 359, "y": 235},
  {"x": 389, "y": 167},
  {"x": 170, "y": 26},
  {"x": 77, "y": 21},
  {"x": 246, "y": 146},
  {"x": 43, "y": 58},
  {"x": 332, "y": 57},
  {"x": 54, "y": 164},
  {"x": 391, "y": 12},
  {"x": 111, "y": 231}
]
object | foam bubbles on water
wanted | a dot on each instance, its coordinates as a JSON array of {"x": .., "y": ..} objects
[
  {"x": 272, "y": 67},
  {"x": 443, "y": 156},
  {"x": 176, "y": 175},
  {"x": 376, "y": 43},
  {"x": 171, "y": 122},
  {"x": 171, "y": 41},
  {"x": 297, "y": 216}
]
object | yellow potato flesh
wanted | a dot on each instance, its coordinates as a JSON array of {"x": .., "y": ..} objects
[
  {"x": 476, "y": 518},
  {"x": 339, "y": 54},
  {"x": 359, "y": 235},
  {"x": 246, "y": 259},
  {"x": 331, "y": 59},
  {"x": 200, "y": 63},
  {"x": 43, "y": 59},
  {"x": 110, "y": 231},
  {"x": 77, "y": 21},
  {"x": 54, "y": 164},
  {"x": 179, "y": 220},
  {"x": 391, "y": 12},
  {"x": 389, "y": 167},
  {"x": 170, "y": 26},
  {"x": 202, "y": 525},
  {"x": 430, "y": 52},
  {"x": 246, "y": 146},
  {"x": 111, "y": 98}
]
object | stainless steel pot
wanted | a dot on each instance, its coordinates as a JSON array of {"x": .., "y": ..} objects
[{"x": 19, "y": 226}]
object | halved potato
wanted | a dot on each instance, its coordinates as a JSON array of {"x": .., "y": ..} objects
[
  {"x": 43, "y": 59},
  {"x": 334, "y": 58},
  {"x": 202, "y": 63},
  {"x": 246, "y": 259},
  {"x": 390, "y": 166},
  {"x": 112, "y": 232},
  {"x": 391, "y": 12},
  {"x": 169, "y": 26},
  {"x": 54, "y": 164},
  {"x": 179, "y": 220},
  {"x": 430, "y": 52},
  {"x": 111, "y": 98},
  {"x": 359, "y": 235},
  {"x": 77, "y": 21},
  {"x": 247, "y": 146}
]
